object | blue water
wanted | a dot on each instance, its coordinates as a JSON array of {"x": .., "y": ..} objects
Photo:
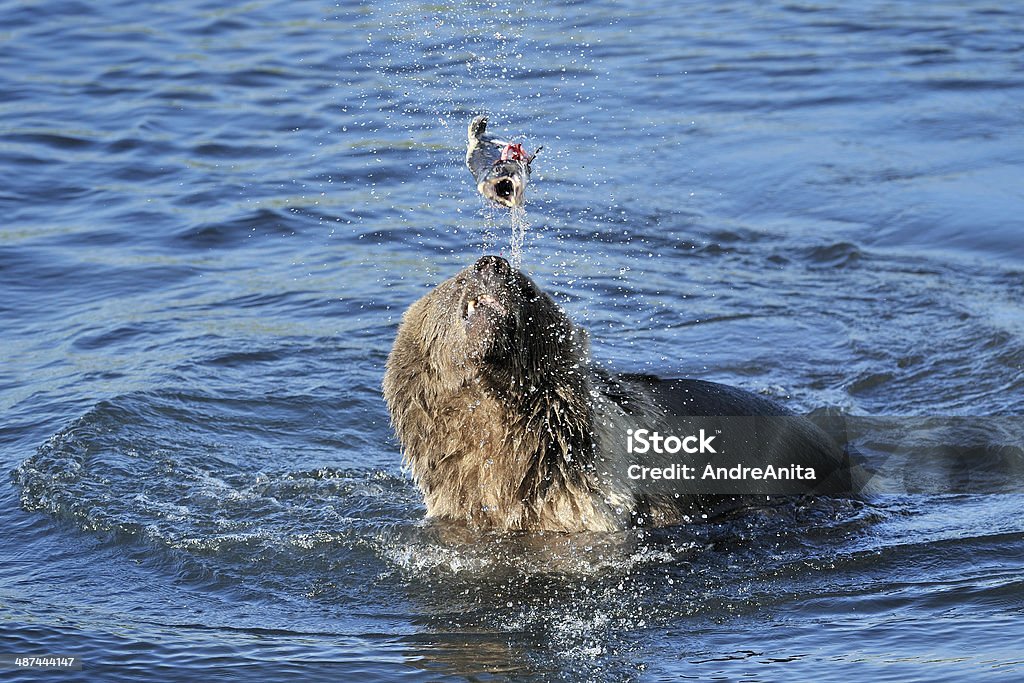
[{"x": 213, "y": 215}]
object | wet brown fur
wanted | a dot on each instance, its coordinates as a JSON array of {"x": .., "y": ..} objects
[{"x": 493, "y": 414}]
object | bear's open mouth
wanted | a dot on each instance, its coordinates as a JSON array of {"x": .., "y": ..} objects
[{"x": 483, "y": 302}]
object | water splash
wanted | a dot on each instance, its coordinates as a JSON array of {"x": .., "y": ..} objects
[
  {"x": 519, "y": 224},
  {"x": 499, "y": 222}
]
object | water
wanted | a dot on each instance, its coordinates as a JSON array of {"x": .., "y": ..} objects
[
  {"x": 519, "y": 224},
  {"x": 214, "y": 215}
]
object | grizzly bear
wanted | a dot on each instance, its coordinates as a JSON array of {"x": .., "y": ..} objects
[{"x": 506, "y": 424}]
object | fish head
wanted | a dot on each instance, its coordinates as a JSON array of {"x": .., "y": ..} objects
[{"x": 505, "y": 183}]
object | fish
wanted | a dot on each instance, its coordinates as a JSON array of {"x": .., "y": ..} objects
[{"x": 501, "y": 169}]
